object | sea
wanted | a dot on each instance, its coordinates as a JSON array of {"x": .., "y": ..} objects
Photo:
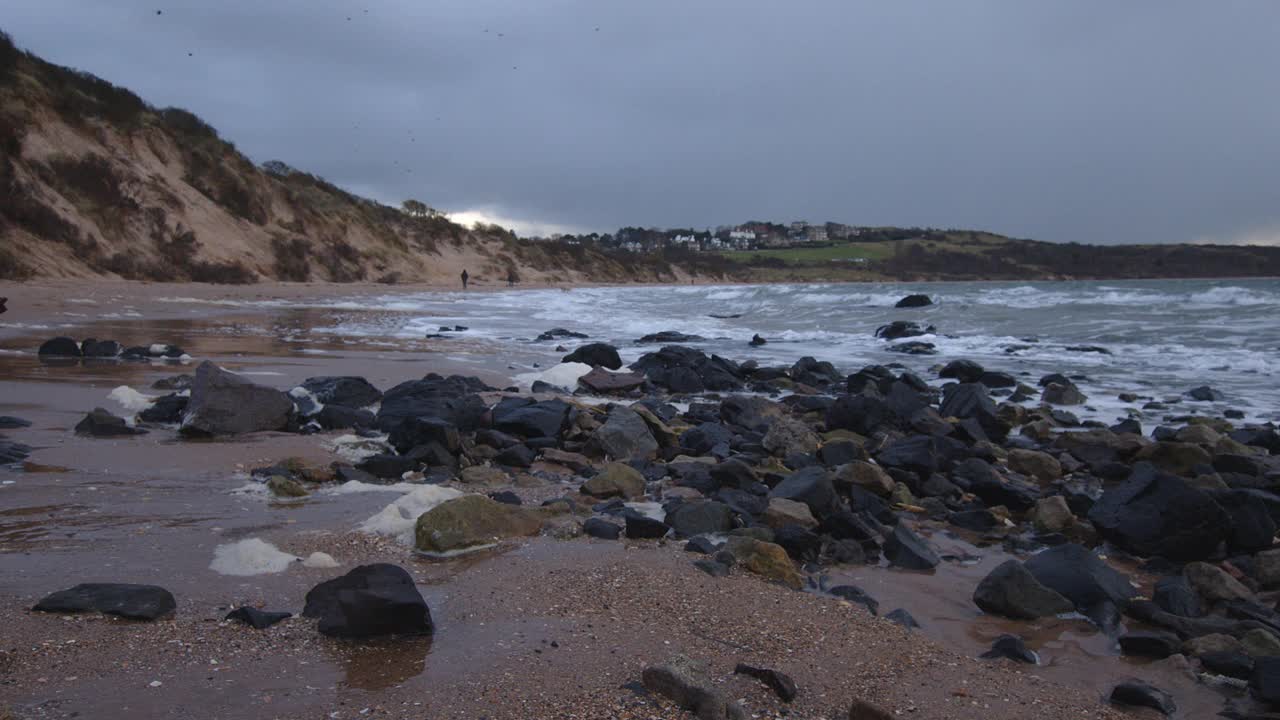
[{"x": 1156, "y": 339}]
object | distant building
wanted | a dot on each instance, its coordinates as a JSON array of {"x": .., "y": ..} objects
[{"x": 817, "y": 234}]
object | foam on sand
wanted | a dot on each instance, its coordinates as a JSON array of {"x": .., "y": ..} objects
[
  {"x": 130, "y": 399},
  {"x": 250, "y": 557},
  {"x": 564, "y": 375},
  {"x": 397, "y": 520}
]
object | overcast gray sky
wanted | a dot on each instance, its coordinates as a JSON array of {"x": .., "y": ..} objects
[{"x": 1085, "y": 120}]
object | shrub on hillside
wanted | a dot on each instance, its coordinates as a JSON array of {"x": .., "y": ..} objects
[{"x": 292, "y": 261}]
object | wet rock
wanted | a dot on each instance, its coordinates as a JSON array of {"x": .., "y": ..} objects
[
  {"x": 133, "y": 602},
  {"x": 1154, "y": 513},
  {"x": 868, "y": 476},
  {"x": 765, "y": 559},
  {"x": 1041, "y": 466},
  {"x": 387, "y": 467},
  {"x": 905, "y": 549},
  {"x": 601, "y": 528},
  {"x": 813, "y": 372},
  {"x": 452, "y": 399},
  {"x": 781, "y": 512},
  {"x": 1265, "y": 681},
  {"x": 526, "y": 418},
  {"x": 971, "y": 401},
  {"x": 470, "y": 521},
  {"x": 781, "y": 683},
  {"x": 857, "y": 596},
  {"x": 1231, "y": 664},
  {"x": 168, "y": 409},
  {"x": 1012, "y": 591},
  {"x": 347, "y": 391},
  {"x": 604, "y": 382},
  {"x": 223, "y": 403},
  {"x": 757, "y": 341},
  {"x": 257, "y": 619},
  {"x": 902, "y": 329},
  {"x": 615, "y": 480},
  {"x": 702, "y": 517},
  {"x": 1060, "y": 394},
  {"x": 702, "y": 546},
  {"x": 285, "y": 487},
  {"x": 369, "y": 601},
  {"x": 641, "y": 527},
  {"x": 1157, "y": 645},
  {"x": 914, "y": 301},
  {"x": 1139, "y": 694},
  {"x": 596, "y": 355},
  {"x": 12, "y": 452},
  {"x": 965, "y": 371},
  {"x": 100, "y": 423},
  {"x": 901, "y": 617},
  {"x": 416, "y": 431},
  {"x": 93, "y": 348},
  {"x": 558, "y": 333},
  {"x": 1204, "y": 393},
  {"x": 1078, "y": 575},
  {"x": 914, "y": 347},
  {"x": 1011, "y": 647},
  {"x": 60, "y": 347},
  {"x": 625, "y": 436},
  {"x": 1259, "y": 642},
  {"x": 811, "y": 486},
  {"x": 1175, "y": 595},
  {"x": 1052, "y": 514},
  {"x": 669, "y": 336},
  {"x": 685, "y": 683},
  {"x": 9, "y": 422},
  {"x": 787, "y": 436}
]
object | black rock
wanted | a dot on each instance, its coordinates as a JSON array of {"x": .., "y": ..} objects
[
  {"x": 601, "y": 354},
  {"x": 1251, "y": 526},
  {"x": 555, "y": 333},
  {"x": 517, "y": 456},
  {"x": 453, "y": 399},
  {"x": 811, "y": 486},
  {"x": 781, "y": 684},
  {"x": 757, "y": 341},
  {"x": 529, "y": 419},
  {"x": 640, "y": 527},
  {"x": 1265, "y": 680},
  {"x": 506, "y": 497},
  {"x": 701, "y": 517},
  {"x": 902, "y": 329},
  {"x": 971, "y": 401},
  {"x": 1157, "y": 645},
  {"x": 1011, "y": 647},
  {"x": 1175, "y": 595},
  {"x": 712, "y": 567},
  {"x": 347, "y": 391},
  {"x": 340, "y": 417},
  {"x": 134, "y": 602},
  {"x": 800, "y": 543},
  {"x": 1140, "y": 694},
  {"x": 813, "y": 372},
  {"x": 8, "y": 422},
  {"x": 980, "y": 520},
  {"x": 981, "y": 479},
  {"x": 707, "y": 439},
  {"x": 701, "y": 545},
  {"x": 966, "y": 371},
  {"x": 101, "y": 423},
  {"x": 1088, "y": 349},
  {"x": 1078, "y": 575},
  {"x": 1204, "y": 393},
  {"x": 224, "y": 403},
  {"x": 1012, "y": 591},
  {"x": 371, "y": 600},
  {"x": 856, "y": 595},
  {"x": 167, "y": 409},
  {"x": 1232, "y": 664},
  {"x": 60, "y": 347},
  {"x": 12, "y": 452},
  {"x": 914, "y": 301},
  {"x": 840, "y": 452},
  {"x": 92, "y": 348},
  {"x": 914, "y": 347},
  {"x": 861, "y": 413},
  {"x": 388, "y": 467},
  {"x": 903, "y": 618},
  {"x": 669, "y": 336},
  {"x": 601, "y": 528},
  {"x": 257, "y": 619},
  {"x": 1155, "y": 513},
  {"x": 905, "y": 549}
]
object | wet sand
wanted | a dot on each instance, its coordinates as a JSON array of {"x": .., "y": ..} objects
[{"x": 152, "y": 508}]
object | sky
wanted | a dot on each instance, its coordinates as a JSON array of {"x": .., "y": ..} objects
[{"x": 1091, "y": 121}]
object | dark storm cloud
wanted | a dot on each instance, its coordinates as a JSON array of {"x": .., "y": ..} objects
[{"x": 1084, "y": 120}]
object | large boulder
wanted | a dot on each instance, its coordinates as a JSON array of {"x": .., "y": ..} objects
[
  {"x": 811, "y": 486},
  {"x": 624, "y": 436},
  {"x": 1154, "y": 513},
  {"x": 347, "y": 391},
  {"x": 100, "y": 423},
  {"x": 417, "y": 431},
  {"x": 1179, "y": 458},
  {"x": 902, "y": 329},
  {"x": 905, "y": 549},
  {"x": 700, "y": 517},
  {"x": 369, "y": 601},
  {"x": 765, "y": 559},
  {"x": 1012, "y": 591},
  {"x": 914, "y": 301},
  {"x": 472, "y": 521},
  {"x": 453, "y": 399},
  {"x": 605, "y": 382},
  {"x": 595, "y": 355},
  {"x": 1079, "y": 576},
  {"x": 1033, "y": 463},
  {"x": 134, "y": 602},
  {"x": 60, "y": 347},
  {"x": 525, "y": 418},
  {"x": 861, "y": 413},
  {"x": 971, "y": 401},
  {"x": 787, "y": 436},
  {"x": 223, "y": 403}
]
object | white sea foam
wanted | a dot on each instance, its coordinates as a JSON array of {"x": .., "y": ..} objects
[
  {"x": 397, "y": 520},
  {"x": 130, "y": 399},
  {"x": 564, "y": 375},
  {"x": 253, "y": 556}
]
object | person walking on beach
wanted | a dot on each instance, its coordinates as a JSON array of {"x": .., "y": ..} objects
[
  {"x": 512, "y": 278},
  {"x": 465, "y": 278},
  {"x": 2, "y": 307}
]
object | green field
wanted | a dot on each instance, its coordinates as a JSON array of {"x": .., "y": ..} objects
[{"x": 844, "y": 252}]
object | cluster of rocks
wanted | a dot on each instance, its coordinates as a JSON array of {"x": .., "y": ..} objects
[
  {"x": 12, "y": 452},
  {"x": 68, "y": 349}
]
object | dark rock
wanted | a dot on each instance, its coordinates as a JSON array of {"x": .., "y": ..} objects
[
  {"x": 840, "y": 452},
  {"x": 604, "y": 382},
  {"x": 811, "y": 486},
  {"x": 453, "y": 399},
  {"x": 905, "y": 549},
  {"x": 966, "y": 371},
  {"x": 845, "y": 552},
  {"x": 173, "y": 382},
  {"x": 341, "y": 417},
  {"x": 1265, "y": 681},
  {"x": 557, "y": 333},
  {"x": 60, "y": 347},
  {"x": 866, "y": 710},
  {"x": 388, "y": 467},
  {"x": 100, "y": 423},
  {"x": 857, "y": 596},
  {"x": 979, "y": 478},
  {"x": 685, "y": 683},
  {"x": 1154, "y": 513},
  {"x": 903, "y": 618},
  {"x": 914, "y": 301},
  {"x": 1139, "y": 694},
  {"x": 748, "y": 412},
  {"x": 998, "y": 380},
  {"x": 1158, "y": 645},
  {"x": 863, "y": 414},
  {"x": 781, "y": 684},
  {"x": 601, "y": 528},
  {"x": 1013, "y": 648},
  {"x": 134, "y": 602},
  {"x": 8, "y": 422},
  {"x": 1088, "y": 349},
  {"x": 813, "y": 372},
  {"x": 707, "y": 439},
  {"x": 257, "y": 619},
  {"x": 669, "y": 336},
  {"x": 1175, "y": 595},
  {"x": 640, "y": 527},
  {"x": 902, "y": 329},
  {"x": 1059, "y": 394},
  {"x": 1078, "y": 575},
  {"x": 980, "y": 520},
  {"x": 516, "y": 456},
  {"x": 914, "y": 348},
  {"x": 595, "y": 355},
  {"x": 506, "y": 497},
  {"x": 971, "y": 401},
  {"x": 712, "y": 567},
  {"x": 526, "y": 418},
  {"x": 101, "y": 348},
  {"x": 757, "y": 341},
  {"x": 369, "y": 601},
  {"x": 223, "y": 403},
  {"x": 417, "y": 431},
  {"x": 1204, "y": 393},
  {"x": 801, "y": 544},
  {"x": 624, "y": 436},
  {"x": 700, "y": 518},
  {"x": 166, "y": 409},
  {"x": 12, "y": 452},
  {"x": 1251, "y": 525},
  {"x": 1013, "y": 591},
  {"x": 702, "y": 545},
  {"x": 347, "y": 391},
  {"x": 1232, "y": 664}
]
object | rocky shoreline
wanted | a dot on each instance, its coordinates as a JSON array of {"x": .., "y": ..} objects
[{"x": 769, "y": 481}]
